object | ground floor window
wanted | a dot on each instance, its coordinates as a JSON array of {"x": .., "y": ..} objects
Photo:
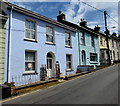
[
  {"x": 93, "y": 57},
  {"x": 69, "y": 62},
  {"x": 29, "y": 61}
]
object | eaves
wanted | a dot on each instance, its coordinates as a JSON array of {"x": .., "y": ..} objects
[{"x": 38, "y": 16}]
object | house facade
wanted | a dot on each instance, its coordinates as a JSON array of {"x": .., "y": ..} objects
[
  {"x": 87, "y": 42},
  {"x": 103, "y": 48},
  {"x": 113, "y": 47},
  {"x": 3, "y": 19},
  {"x": 115, "y": 53},
  {"x": 36, "y": 41},
  {"x": 88, "y": 47}
]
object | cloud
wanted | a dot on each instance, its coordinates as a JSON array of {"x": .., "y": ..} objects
[
  {"x": 23, "y": 4},
  {"x": 83, "y": 10},
  {"x": 74, "y": 15}
]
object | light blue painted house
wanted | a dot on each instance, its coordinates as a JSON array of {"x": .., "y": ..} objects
[
  {"x": 87, "y": 42},
  {"x": 34, "y": 41}
]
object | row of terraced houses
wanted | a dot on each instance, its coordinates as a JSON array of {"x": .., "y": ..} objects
[{"x": 30, "y": 42}]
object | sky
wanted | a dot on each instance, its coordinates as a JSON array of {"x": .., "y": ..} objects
[{"x": 75, "y": 10}]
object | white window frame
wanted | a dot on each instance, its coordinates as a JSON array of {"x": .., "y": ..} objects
[
  {"x": 53, "y": 35},
  {"x": 82, "y": 38},
  {"x": 32, "y": 71},
  {"x": 69, "y": 69},
  {"x": 34, "y": 30},
  {"x": 94, "y": 54},
  {"x": 68, "y": 40}
]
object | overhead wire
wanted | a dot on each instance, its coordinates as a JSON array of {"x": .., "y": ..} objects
[{"x": 99, "y": 11}]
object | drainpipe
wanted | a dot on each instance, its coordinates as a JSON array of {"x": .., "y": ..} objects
[
  {"x": 79, "y": 48},
  {"x": 9, "y": 45}
]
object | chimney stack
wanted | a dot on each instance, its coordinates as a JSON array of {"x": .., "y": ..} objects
[
  {"x": 97, "y": 28},
  {"x": 114, "y": 34},
  {"x": 61, "y": 16},
  {"x": 83, "y": 23}
]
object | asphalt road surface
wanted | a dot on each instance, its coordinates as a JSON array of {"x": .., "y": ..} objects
[{"x": 100, "y": 87}]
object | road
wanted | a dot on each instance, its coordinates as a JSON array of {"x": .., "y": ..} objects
[{"x": 100, "y": 87}]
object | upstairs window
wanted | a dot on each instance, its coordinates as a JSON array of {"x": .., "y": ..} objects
[
  {"x": 112, "y": 43},
  {"x": 30, "y": 30},
  {"x": 49, "y": 34},
  {"x": 92, "y": 41},
  {"x": 67, "y": 39},
  {"x": 82, "y": 38},
  {"x": 101, "y": 40}
]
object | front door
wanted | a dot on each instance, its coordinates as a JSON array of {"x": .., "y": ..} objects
[
  {"x": 83, "y": 58},
  {"x": 50, "y": 65}
]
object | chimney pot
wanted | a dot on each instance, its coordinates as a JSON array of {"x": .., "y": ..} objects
[{"x": 83, "y": 23}]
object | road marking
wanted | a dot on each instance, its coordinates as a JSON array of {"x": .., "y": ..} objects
[{"x": 12, "y": 98}]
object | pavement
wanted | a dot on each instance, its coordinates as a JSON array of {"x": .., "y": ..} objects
[{"x": 100, "y": 87}]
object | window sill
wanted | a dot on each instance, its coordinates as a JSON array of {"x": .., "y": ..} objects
[
  {"x": 93, "y": 62},
  {"x": 83, "y": 44},
  {"x": 68, "y": 46},
  {"x": 31, "y": 40},
  {"x": 69, "y": 70},
  {"x": 49, "y": 43},
  {"x": 30, "y": 73}
]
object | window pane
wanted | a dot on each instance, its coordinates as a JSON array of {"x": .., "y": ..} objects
[
  {"x": 27, "y": 24},
  {"x": 67, "y": 39},
  {"x": 29, "y": 61},
  {"x": 32, "y": 25},
  {"x": 49, "y": 34},
  {"x": 33, "y": 34},
  {"x": 93, "y": 57},
  {"x": 68, "y": 62},
  {"x": 49, "y": 31},
  {"x": 27, "y": 33},
  {"x": 29, "y": 66},
  {"x": 82, "y": 38},
  {"x": 92, "y": 40}
]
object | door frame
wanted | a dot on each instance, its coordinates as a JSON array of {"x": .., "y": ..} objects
[{"x": 50, "y": 72}]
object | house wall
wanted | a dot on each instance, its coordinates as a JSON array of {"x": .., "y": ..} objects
[
  {"x": 19, "y": 45},
  {"x": 114, "y": 48},
  {"x": 2, "y": 48},
  {"x": 89, "y": 49},
  {"x": 103, "y": 50}
]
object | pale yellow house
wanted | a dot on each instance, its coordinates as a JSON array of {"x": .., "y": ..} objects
[
  {"x": 3, "y": 19},
  {"x": 114, "y": 43}
]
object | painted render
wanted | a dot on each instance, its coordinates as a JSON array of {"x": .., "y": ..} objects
[
  {"x": 103, "y": 48},
  {"x": 3, "y": 19},
  {"x": 19, "y": 45},
  {"x": 89, "y": 49},
  {"x": 114, "y": 44},
  {"x": 2, "y": 46}
]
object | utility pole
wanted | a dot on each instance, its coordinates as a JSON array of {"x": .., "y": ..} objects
[{"x": 107, "y": 41}]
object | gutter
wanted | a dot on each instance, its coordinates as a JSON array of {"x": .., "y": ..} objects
[{"x": 9, "y": 45}]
